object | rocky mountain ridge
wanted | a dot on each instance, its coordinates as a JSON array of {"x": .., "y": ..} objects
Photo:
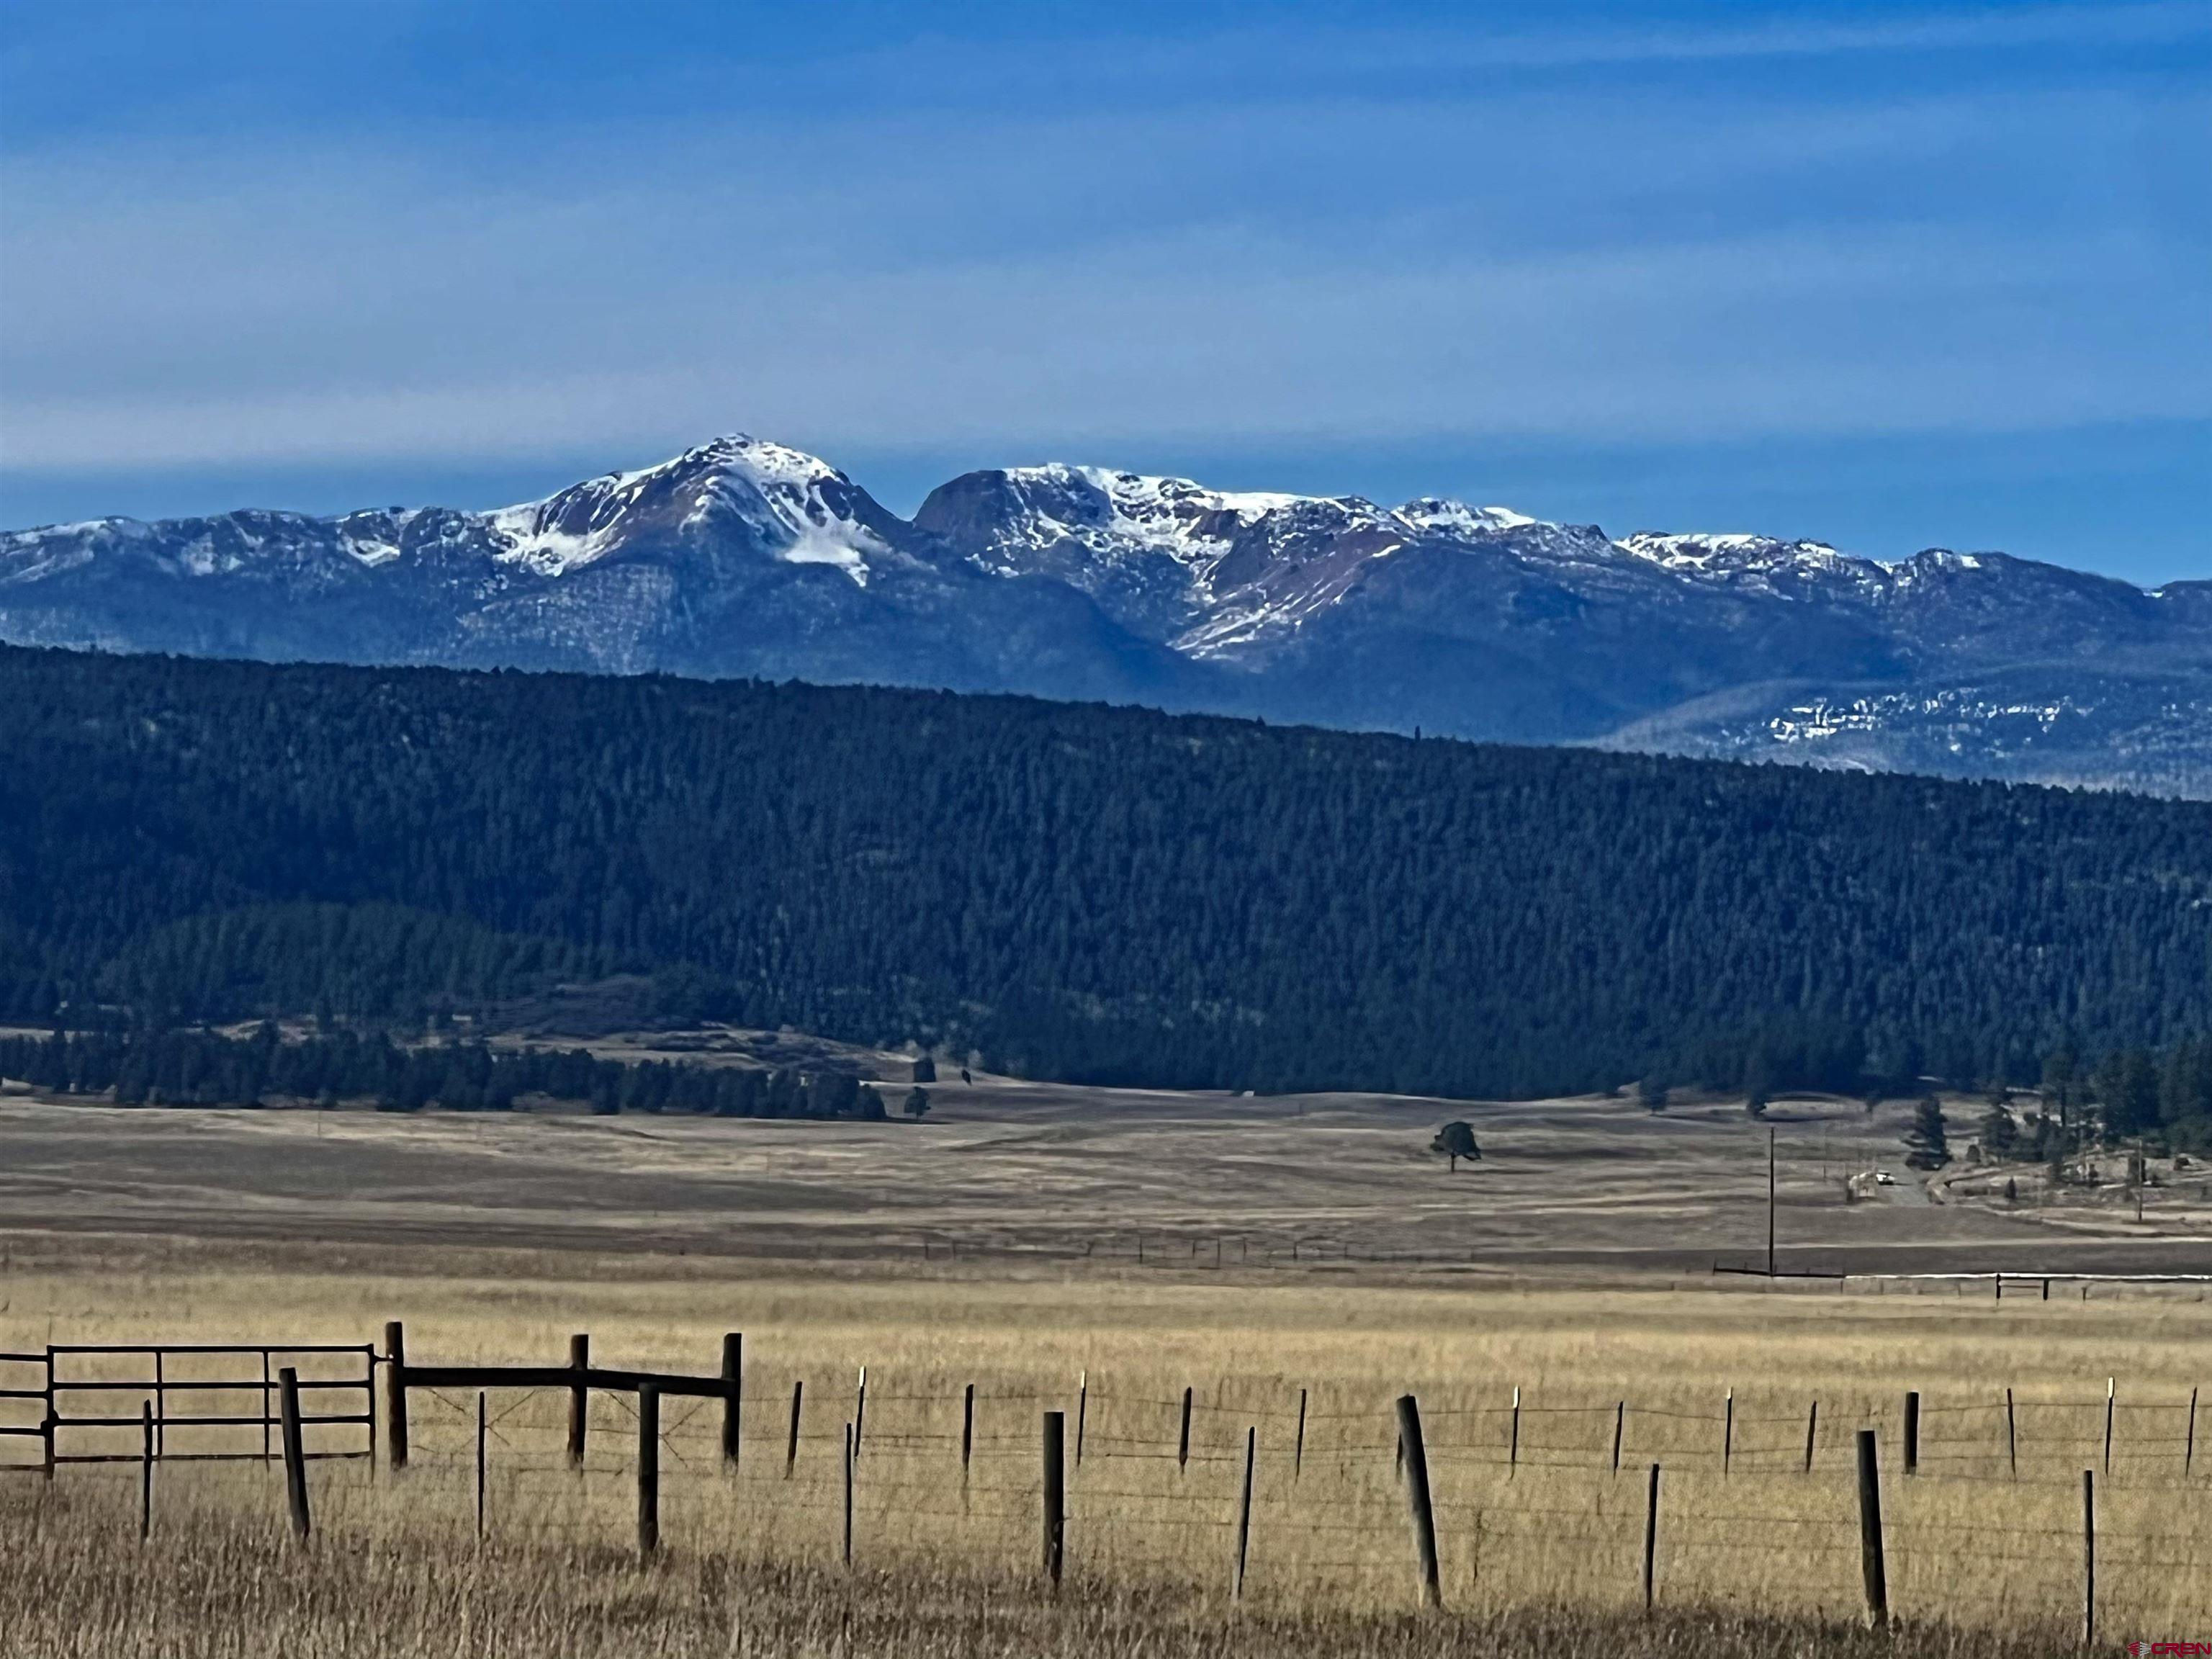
[{"x": 747, "y": 557}]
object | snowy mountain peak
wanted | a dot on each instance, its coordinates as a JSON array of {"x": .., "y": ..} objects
[
  {"x": 798, "y": 507},
  {"x": 759, "y": 459}
]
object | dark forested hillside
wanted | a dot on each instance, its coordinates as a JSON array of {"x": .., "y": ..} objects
[{"x": 1076, "y": 890}]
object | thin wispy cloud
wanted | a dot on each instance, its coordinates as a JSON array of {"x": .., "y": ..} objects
[{"x": 1978, "y": 29}]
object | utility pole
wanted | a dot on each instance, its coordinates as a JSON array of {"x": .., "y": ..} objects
[{"x": 1770, "y": 1203}]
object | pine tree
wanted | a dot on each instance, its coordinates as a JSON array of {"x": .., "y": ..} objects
[
  {"x": 2000, "y": 1134},
  {"x": 2060, "y": 1080},
  {"x": 1928, "y": 1149},
  {"x": 1455, "y": 1141}
]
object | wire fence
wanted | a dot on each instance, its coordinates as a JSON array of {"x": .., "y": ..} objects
[{"x": 1534, "y": 1495}]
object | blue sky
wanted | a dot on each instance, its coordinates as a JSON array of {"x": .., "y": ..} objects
[{"x": 1889, "y": 276}]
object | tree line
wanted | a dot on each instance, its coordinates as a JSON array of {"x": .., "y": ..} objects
[
  {"x": 2158, "y": 1104},
  {"x": 206, "y": 1068},
  {"x": 1093, "y": 894}
]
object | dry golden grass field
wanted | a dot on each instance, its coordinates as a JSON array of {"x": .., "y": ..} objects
[
  {"x": 1572, "y": 1265},
  {"x": 1057, "y": 1171}
]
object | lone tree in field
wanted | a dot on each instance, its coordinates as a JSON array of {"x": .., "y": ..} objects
[
  {"x": 1651, "y": 1095},
  {"x": 1455, "y": 1141},
  {"x": 2000, "y": 1134},
  {"x": 917, "y": 1103},
  {"x": 1927, "y": 1149},
  {"x": 925, "y": 1069}
]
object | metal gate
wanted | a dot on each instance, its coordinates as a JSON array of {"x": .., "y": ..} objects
[{"x": 195, "y": 1401}]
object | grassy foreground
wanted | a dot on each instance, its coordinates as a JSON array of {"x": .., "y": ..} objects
[
  {"x": 1539, "y": 1537},
  {"x": 239, "y": 1590}
]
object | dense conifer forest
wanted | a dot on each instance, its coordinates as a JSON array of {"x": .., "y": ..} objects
[
  {"x": 1071, "y": 890},
  {"x": 206, "y": 1068}
]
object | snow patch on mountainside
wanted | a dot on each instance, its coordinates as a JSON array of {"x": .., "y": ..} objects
[
  {"x": 1107, "y": 511},
  {"x": 375, "y": 538},
  {"x": 1733, "y": 551},
  {"x": 1785, "y": 568},
  {"x": 536, "y": 546},
  {"x": 1439, "y": 513}
]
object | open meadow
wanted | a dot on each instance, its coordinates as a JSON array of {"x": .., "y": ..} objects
[
  {"x": 1038, "y": 1172},
  {"x": 994, "y": 1247}
]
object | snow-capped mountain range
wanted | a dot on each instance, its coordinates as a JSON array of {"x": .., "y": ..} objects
[{"x": 744, "y": 557}]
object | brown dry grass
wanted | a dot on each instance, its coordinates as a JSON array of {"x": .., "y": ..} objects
[
  {"x": 1005, "y": 1168},
  {"x": 1544, "y": 1555}
]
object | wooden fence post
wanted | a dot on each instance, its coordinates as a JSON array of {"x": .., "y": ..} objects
[
  {"x": 395, "y": 1392},
  {"x": 1651, "y": 1539},
  {"x": 1244, "y": 1512},
  {"x": 791, "y": 1446},
  {"x": 859, "y": 1425},
  {"x": 1417, "y": 1498},
  {"x": 648, "y": 1472},
  {"x": 1620, "y": 1423},
  {"x": 1298, "y": 1453},
  {"x": 295, "y": 1451},
  {"x": 1872, "y": 1568},
  {"x": 2012, "y": 1439},
  {"x": 2109, "y": 1382},
  {"x": 482, "y": 1425},
  {"x": 269, "y": 1402},
  {"x": 579, "y": 1397},
  {"x": 1182, "y": 1437},
  {"x": 1082, "y": 1411},
  {"x": 1055, "y": 1494},
  {"x": 146, "y": 1470},
  {"x": 1912, "y": 1431},
  {"x": 2189, "y": 1448},
  {"x": 851, "y": 1440},
  {"x": 1727, "y": 1431},
  {"x": 967, "y": 1430},
  {"x": 1812, "y": 1433},
  {"x": 1513, "y": 1450},
  {"x": 46, "y": 1419},
  {"x": 734, "y": 1397},
  {"x": 2088, "y": 1558}
]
